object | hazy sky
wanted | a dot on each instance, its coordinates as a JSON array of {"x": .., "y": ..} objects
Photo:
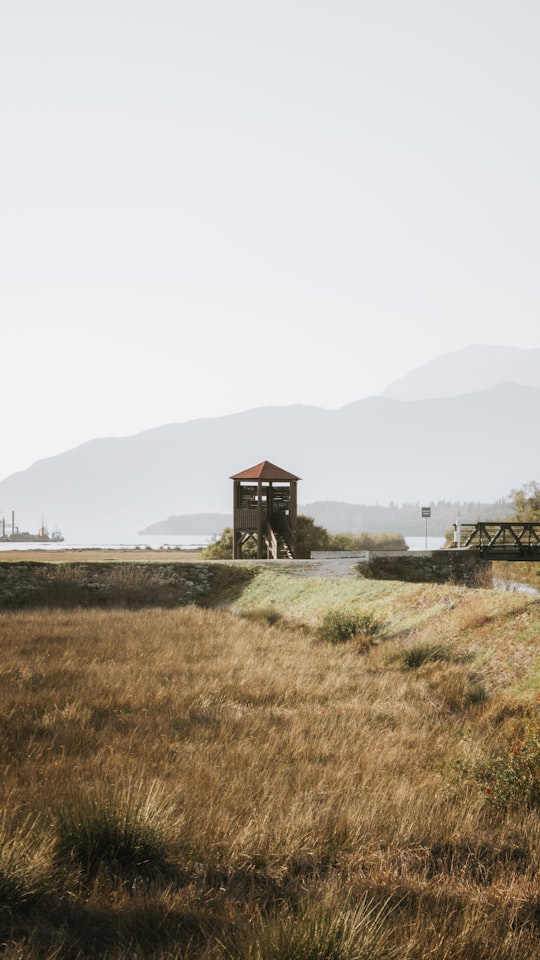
[{"x": 214, "y": 205}]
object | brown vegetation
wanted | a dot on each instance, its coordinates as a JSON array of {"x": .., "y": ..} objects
[
  {"x": 517, "y": 572},
  {"x": 198, "y": 784},
  {"x": 97, "y": 554}
]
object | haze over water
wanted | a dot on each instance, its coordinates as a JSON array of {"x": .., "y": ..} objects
[{"x": 158, "y": 542}]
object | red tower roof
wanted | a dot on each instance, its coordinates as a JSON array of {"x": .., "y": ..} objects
[{"x": 264, "y": 471}]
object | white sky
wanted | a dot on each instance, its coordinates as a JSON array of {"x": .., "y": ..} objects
[{"x": 214, "y": 205}]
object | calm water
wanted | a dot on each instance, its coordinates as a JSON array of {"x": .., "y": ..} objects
[
  {"x": 513, "y": 586},
  {"x": 120, "y": 542},
  {"x": 419, "y": 543},
  {"x": 168, "y": 542}
]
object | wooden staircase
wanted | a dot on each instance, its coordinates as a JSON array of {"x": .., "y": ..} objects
[{"x": 279, "y": 538}]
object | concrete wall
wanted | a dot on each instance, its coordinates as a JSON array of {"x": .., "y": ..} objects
[
  {"x": 339, "y": 554},
  {"x": 431, "y": 566}
]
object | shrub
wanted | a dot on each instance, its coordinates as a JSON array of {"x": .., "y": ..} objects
[
  {"x": 338, "y": 626},
  {"x": 513, "y": 779},
  {"x": 367, "y": 541},
  {"x": 309, "y": 537},
  {"x": 221, "y": 547}
]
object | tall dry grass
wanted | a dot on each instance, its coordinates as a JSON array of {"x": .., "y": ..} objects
[{"x": 191, "y": 783}]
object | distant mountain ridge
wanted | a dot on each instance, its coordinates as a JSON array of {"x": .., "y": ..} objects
[
  {"x": 473, "y": 447},
  {"x": 339, "y": 517},
  {"x": 205, "y": 524},
  {"x": 469, "y": 370}
]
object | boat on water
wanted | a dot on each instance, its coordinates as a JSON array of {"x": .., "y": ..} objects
[{"x": 23, "y": 536}]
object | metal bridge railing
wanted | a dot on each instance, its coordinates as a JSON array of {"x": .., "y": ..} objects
[{"x": 502, "y": 540}]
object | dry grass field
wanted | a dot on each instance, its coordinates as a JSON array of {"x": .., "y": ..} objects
[
  {"x": 72, "y": 555},
  {"x": 229, "y": 784}
]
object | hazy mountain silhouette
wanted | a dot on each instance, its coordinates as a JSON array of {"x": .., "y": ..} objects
[
  {"x": 474, "y": 447},
  {"x": 190, "y": 523},
  {"x": 465, "y": 371},
  {"x": 339, "y": 517}
]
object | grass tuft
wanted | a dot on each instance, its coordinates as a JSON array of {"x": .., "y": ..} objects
[
  {"x": 123, "y": 835},
  {"x": 24, "y": 865},
  {"x": 416, "y": 655},
  {"x": 316, "y": 932},
  {"x": 339, "y": 626}
]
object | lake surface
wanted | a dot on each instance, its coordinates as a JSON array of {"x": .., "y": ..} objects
[
  {"x": 164, "y": 542},
  {"x": 419, "y": 543},
  {"x": 118, "y": 543}
]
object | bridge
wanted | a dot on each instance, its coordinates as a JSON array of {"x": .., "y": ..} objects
[{"x": 502, "y": 540}]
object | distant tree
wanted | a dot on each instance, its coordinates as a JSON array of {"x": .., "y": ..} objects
[
  {"x": 221, "y": 547},
  {"x": 526, "y": 502},
  {"x": 341, "y": 541},
  {"x": 310, "y": 537}
]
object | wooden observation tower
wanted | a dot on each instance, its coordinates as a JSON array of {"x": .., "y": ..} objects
[{"x": 265, "y": 510}]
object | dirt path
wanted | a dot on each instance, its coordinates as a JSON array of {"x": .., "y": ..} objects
[{"x": 342, "y": 567}]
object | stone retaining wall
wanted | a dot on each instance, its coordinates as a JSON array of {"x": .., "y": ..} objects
[
  {"x": 115, "y": 584},
  {"x": 34, "y": 584},
  {"x": 431, "y": 566}
]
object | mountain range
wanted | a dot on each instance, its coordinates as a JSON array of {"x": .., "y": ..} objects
[
  {"x": 472, "y": 445},
  {"x": 340, "y": 517},
  {"x": 468, "y": 370}
]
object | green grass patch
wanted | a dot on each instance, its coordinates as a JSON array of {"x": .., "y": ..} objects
[
  {"x": 307, "y": 598},
  {"x": 228, "y": 583}
]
